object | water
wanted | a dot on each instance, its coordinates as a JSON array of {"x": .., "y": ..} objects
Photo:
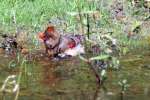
[{"x": 72, "y": 79}]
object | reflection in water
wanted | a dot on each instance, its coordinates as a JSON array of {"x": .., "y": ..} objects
[
  {"x": 49, "y": 77},
  {"x": 73, "y": 80}
]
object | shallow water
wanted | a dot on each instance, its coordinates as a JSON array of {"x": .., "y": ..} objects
[{"x": 72, "y": 79}]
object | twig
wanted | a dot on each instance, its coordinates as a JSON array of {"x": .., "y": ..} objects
[
  {"x": 88, "y": 26},
  {"x": 88, "y": 61}
]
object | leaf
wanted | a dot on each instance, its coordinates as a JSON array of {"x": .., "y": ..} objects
[
  {"x": 103, "y": 72},
  {"x": 12, "y": 64},
  {"x": 101, "y": 57},
  {"x": 124, "y": 81},
  {"x": 136, "y": 24}
]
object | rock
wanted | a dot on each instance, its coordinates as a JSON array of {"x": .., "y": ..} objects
[{"x": 147, "y": 66}]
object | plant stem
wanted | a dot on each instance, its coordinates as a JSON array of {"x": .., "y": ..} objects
[
  {"x": 98, "y": 79},
  {"x": 19, "y": 79},
  {"x": 88, "y": 26}
]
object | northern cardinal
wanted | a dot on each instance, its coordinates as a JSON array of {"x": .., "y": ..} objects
[{"x": 56, "y": 44}]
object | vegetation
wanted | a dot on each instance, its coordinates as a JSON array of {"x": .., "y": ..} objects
[{"x": 114, "y": 27}]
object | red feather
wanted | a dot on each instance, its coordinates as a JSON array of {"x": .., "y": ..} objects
[
  {"x": 50, "y": 29},
  {"x": 71, "y": 44}
]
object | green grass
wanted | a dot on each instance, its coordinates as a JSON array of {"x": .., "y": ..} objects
[{"x": 33, "y": 15}]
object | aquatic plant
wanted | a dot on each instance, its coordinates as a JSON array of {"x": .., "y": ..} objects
[
  {"x": 124, "y": 85},
  {"x": 10, "y": 85}
]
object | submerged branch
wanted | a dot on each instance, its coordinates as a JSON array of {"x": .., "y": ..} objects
[{"x": 88, "y": 61}]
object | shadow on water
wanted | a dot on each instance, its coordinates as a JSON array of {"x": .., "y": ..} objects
[{"x": 71, "y": 79}]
